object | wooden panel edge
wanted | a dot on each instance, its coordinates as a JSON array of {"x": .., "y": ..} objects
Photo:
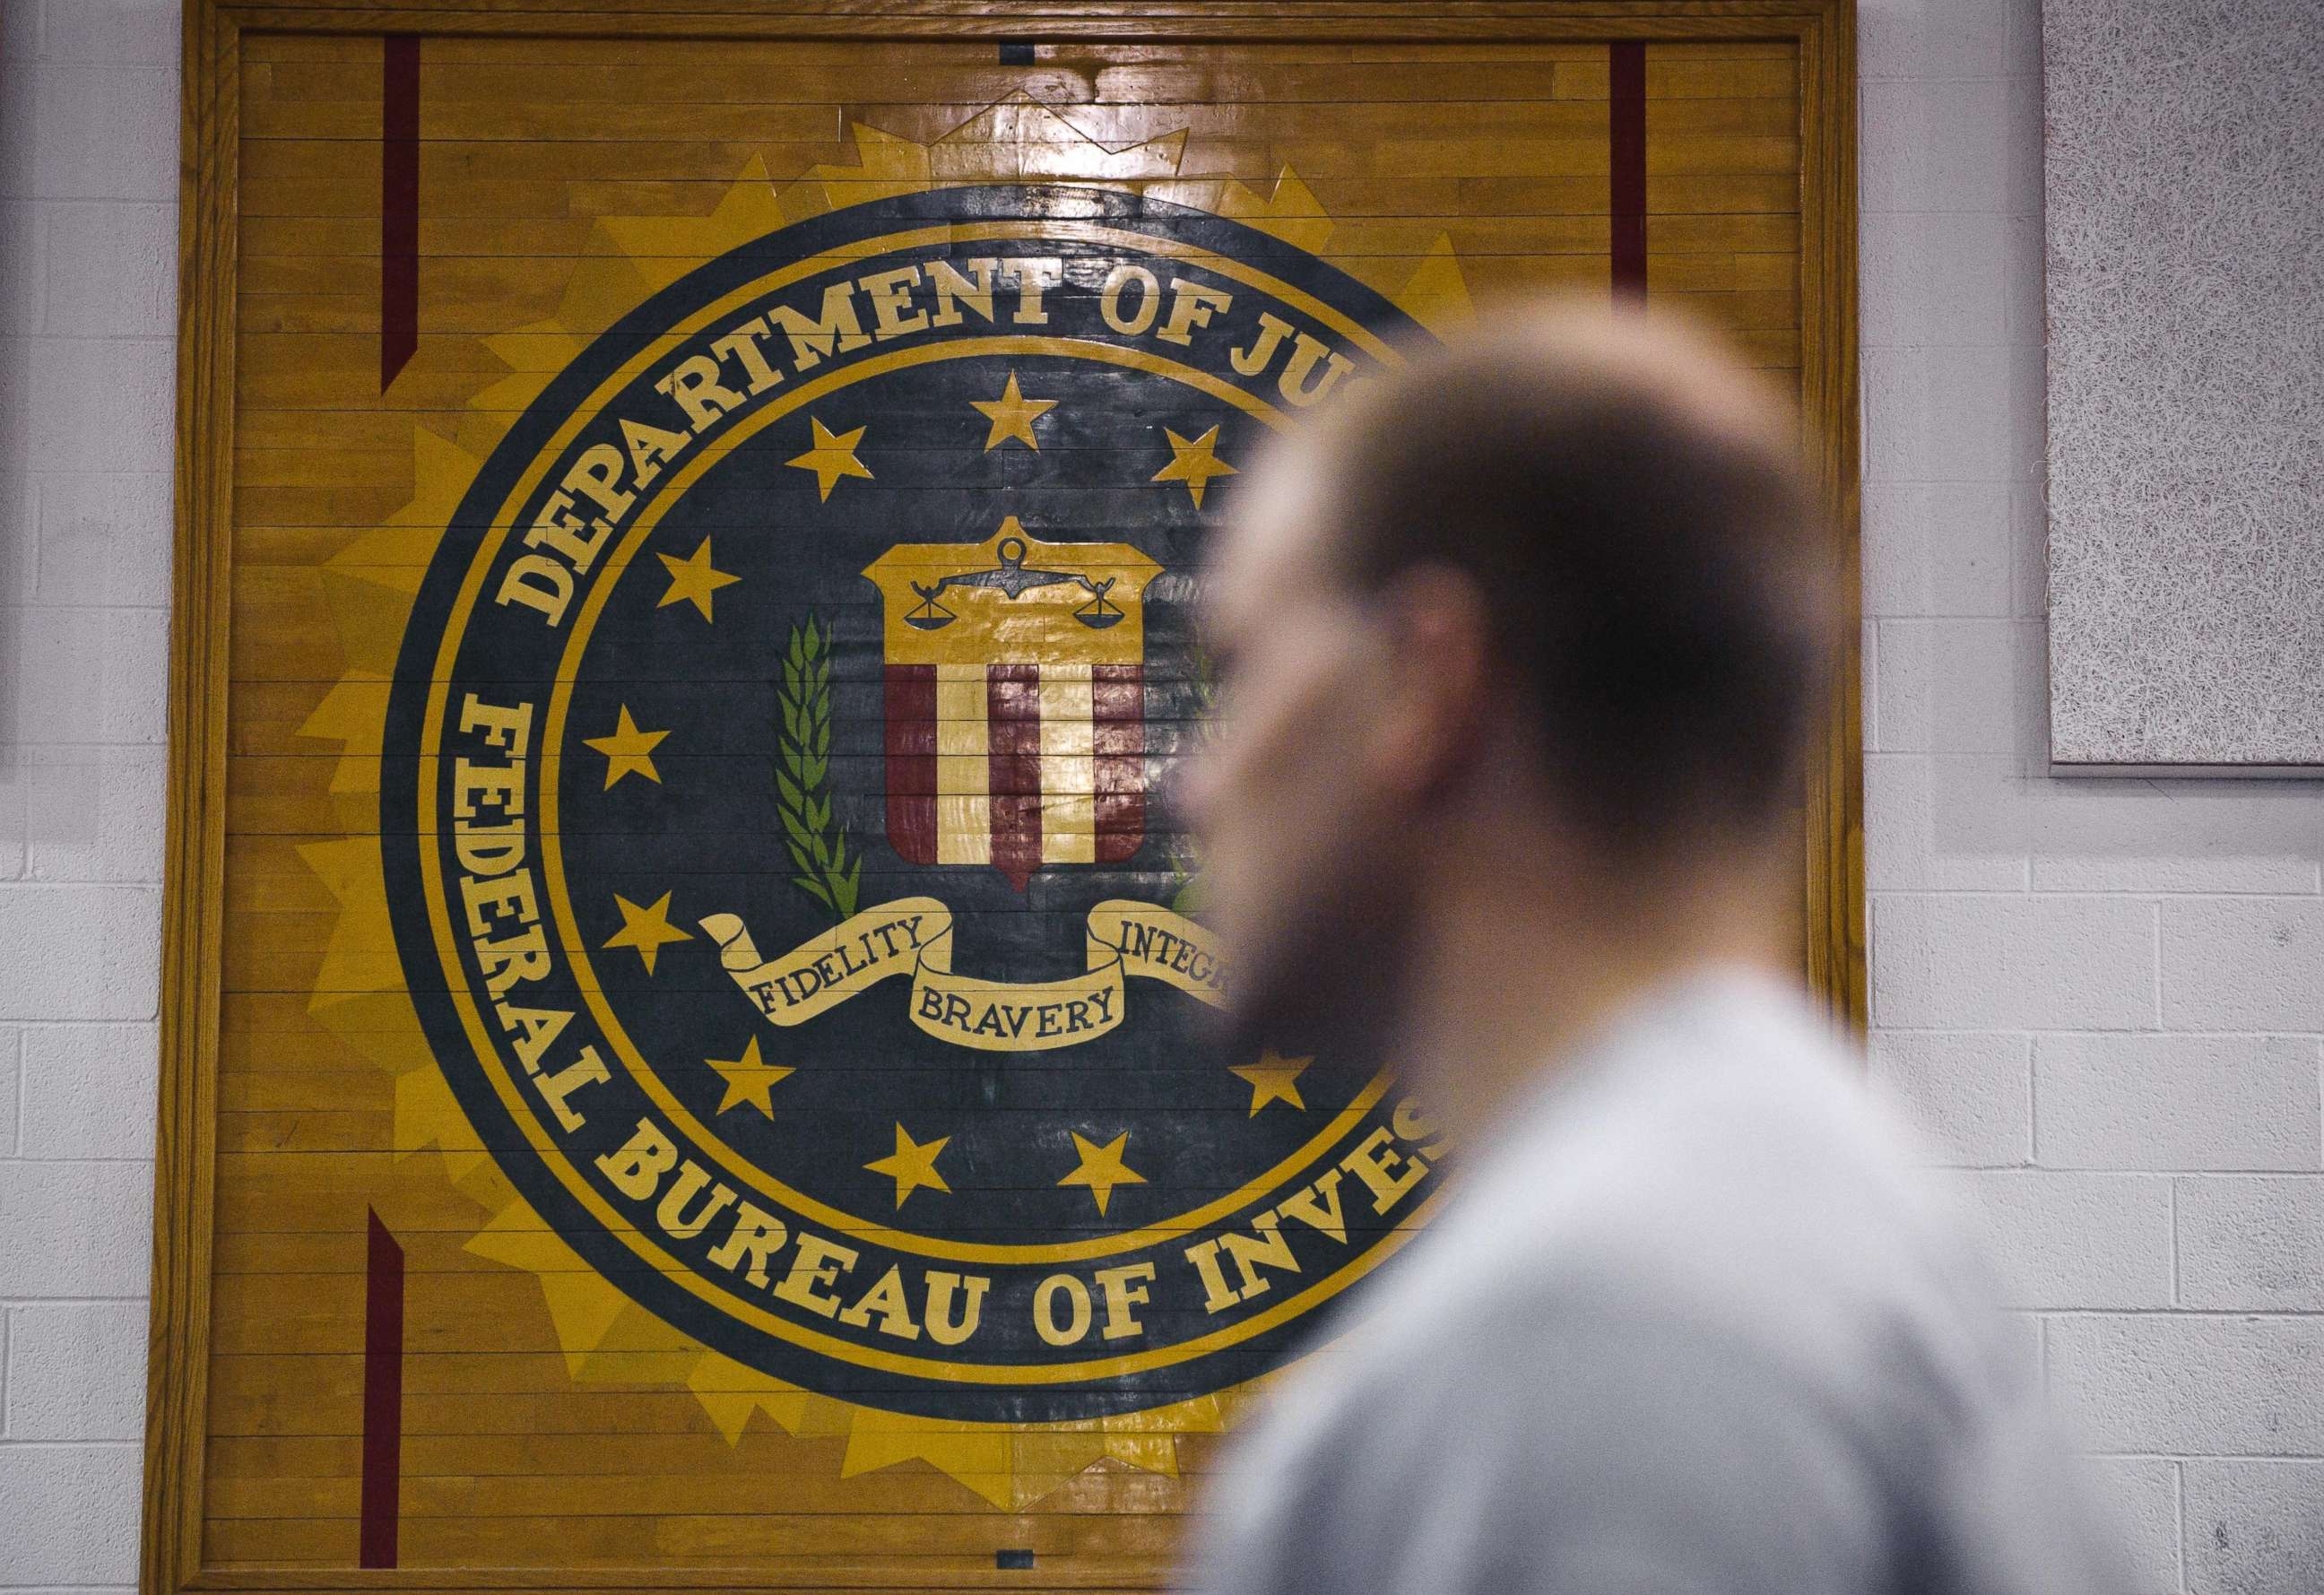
[
  {"x": 1834, "y": 839},
  {"x": 178, "y": 1358},
  {"x": 1061, "y": 21},
  {"x": 871, "y": 1575}
]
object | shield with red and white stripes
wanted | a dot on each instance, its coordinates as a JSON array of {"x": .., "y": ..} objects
[{"x": 1015, "y": 701}]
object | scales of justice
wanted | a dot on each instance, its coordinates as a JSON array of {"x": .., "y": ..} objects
[
  {"x": 1010, "y": 576},
  {"x": 1013, "y": 598}
]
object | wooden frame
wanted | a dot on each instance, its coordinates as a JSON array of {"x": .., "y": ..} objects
[{"x": 1823, "y": 31}]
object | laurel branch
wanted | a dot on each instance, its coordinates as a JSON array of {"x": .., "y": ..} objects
[{"x": 817, "y": 842}]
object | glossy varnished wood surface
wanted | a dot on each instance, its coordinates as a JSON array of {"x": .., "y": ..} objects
[{"x": 1482, "y": 124}]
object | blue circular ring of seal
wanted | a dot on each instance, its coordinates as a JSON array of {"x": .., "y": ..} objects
[{"x": 1198, "y": 1320}]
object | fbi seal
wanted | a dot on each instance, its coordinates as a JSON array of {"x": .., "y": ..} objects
[{"x": 771, "y": 816}]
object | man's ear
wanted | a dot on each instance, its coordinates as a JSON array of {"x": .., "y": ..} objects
[{"x": 1437, "y": 681}]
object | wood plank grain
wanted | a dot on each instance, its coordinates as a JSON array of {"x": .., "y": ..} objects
[{"x": 1478, "y": 124}]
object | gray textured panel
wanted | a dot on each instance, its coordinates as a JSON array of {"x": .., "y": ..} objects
[{"x": 2185, "y": 192}]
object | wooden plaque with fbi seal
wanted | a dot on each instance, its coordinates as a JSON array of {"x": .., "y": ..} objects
[{"x": 685, "y": 1064}]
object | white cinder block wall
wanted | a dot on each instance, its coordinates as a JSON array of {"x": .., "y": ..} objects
[
  {"x": 88, "y": 282},
  {"x": 2103, "y": 997}
]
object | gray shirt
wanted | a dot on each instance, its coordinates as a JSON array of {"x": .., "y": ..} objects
[{"x": 1688, "y": 1323}]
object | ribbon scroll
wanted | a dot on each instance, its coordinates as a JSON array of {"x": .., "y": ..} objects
[{"x": 913, "y": 936}]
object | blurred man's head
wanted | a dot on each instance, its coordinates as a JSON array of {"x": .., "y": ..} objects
[{"x": 1541, "y": 610}]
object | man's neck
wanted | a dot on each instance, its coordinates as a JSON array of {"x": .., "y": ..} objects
[{"x": 1523, "y": 957}]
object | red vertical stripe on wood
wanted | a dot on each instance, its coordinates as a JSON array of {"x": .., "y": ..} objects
[
  {"x": 1118, "y": 712},
  {"x": 382, "y": 1432},
  {"x": 1626, "y": 128},
  {"x": 912, "y": 773},
  {"x": 1013, "y": 727},
  {"x": 398, "y": 205}
]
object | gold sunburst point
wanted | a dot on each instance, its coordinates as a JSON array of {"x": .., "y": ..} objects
[
  {"x": 1437, "y": 295},
  {"x": 359, "y": 955},
  {"x": 662, "y": 249},
  {"x": 733, "y": 1394},
  {"x": 428, "y": 1119},
  {"x": 888, "y": 166},
  {"x": 1291, "y": 212}
]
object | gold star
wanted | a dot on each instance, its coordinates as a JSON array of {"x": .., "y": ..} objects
[
  {"x": 646, "y": 929},
  {"x": 692, "y": 580},
  {"x": 748, "y": 1079},
  {"x": 832, "y": 457},
  {"x": 1273, "y": 1079},
  {"x": 1012, "y": 415},
  {"x": 1102, "y": 1168},
  {"x": 912, "y": 1164},
  {"x": 1194, "y": 461},
  {"x": 628, "y": 750}
]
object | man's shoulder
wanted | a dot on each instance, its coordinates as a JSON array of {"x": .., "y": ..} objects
[
  {"x": 1694, "y": 1299},
  {"x": 1730, "y": 1198}
]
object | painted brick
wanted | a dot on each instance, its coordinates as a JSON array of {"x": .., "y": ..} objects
[
  {"x": 1959, "y": 686},
  {"x": 23, "y": 268},
  {"x": 104, "y": 539},
  {"x": 20, "y": 70},
  {"x": 90, "y": 404},
  {"x": 1939, "y": 414},
  {"x": 2071, "y": 1239},
  {"x": 1936, "y": 279},
  {"x": 80, "y": 952},
  {"x": 78, "y": 1371},
  {"x": 1925, "y": 829},
  {"x": 12, "y": 1055},
  {"x": 2192, "y": 1385},
  {"x": 2244, "y": 964},
  {"x": 2100, "y": 834},
  {"x": 2252, "y": 1242},
  {"x": 1938, "y": 549},
  {"x": 93, "y": 132},
  {"x": 2024, "y": 314},
  {"x": 1975, "y": 961},
  {"x": 112, "y": 269},
  {"x": 82, "y": 1501},
  {"x": 89, "y": 1091},
  {"x": 2200, "y": 868},
  {"x": 136, "y": 33},
  {"x": 2029, "y": 538},
  {"x": 20, "y": 521},
  {"x": 20, "y": 30},
  {"x": 2178, "y": 1102},
  {"x": 1940, "y": 38},
  {"x": 2109, "y": 835},
  {"x": 84, "y": 675},
  {"x": 1967, "y": 1095},
  {"x": 2253, "y": 1527},
  {"x": 1868, "y": 652},
  {"x": 2027, "y": 1333},
  {"x": 15, "y": 806},
  {"x": 75, "y": 1229},
  {"x": 1971, "y": 146},
  {"x": 2142, "y": 1494},
  {"x": 96, "y": 813}
]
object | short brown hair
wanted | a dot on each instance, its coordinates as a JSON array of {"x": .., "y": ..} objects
[{"x": 1631, "y": 500}]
